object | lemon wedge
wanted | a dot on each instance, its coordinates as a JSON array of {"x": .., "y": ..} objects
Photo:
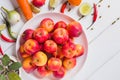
[
  {"x": 2, "y": 27},
  {"x": 85, "y": 9},
  {"x": 53, "y": 3},
  {"x": 34, "y": 9}
]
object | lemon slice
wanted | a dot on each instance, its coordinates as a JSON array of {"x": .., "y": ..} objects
[
  {"x": 34, "y": 9},
  {"x": 85, "y": 9},
  {"x": 53, "y": 3},
  {"x": 2, "y": 27}
]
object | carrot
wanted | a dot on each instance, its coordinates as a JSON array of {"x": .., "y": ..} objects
[{"x": 25, "y": 7}]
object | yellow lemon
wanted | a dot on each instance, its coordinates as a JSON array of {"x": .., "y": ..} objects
[{"x": 85, "y": 9}]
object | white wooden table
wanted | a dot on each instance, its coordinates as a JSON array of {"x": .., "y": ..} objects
[{"x": 103, "y": 61}]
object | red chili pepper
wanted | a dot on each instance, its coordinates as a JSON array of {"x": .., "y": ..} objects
[
  {"x": 63, "y": 7},
  {"x": 1, "y": 51},
  {"x": 95, "y": 14},
  {"x": 6, "y": 39}
]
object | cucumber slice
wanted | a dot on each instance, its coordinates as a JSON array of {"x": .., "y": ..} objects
[
  {"x": 2, "y": 27},
  {"x": 85, "y": 9},
  {"x": 53, "y": 3}
]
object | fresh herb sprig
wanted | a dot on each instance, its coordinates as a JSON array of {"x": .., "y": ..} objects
[{"x": 9, "y": 69}]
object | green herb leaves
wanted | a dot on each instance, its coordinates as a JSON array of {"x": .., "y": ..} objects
[
  {"x": 9, "y": 69},
  {"x": 14, "y": 66},
  {"x": 2, "y": 77},
  {"x": 13, "y": 76},
  {"x": 5, "y": 60},
  {"x": 1, "y": 68}
]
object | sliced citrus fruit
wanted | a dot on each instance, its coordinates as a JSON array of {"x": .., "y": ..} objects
[
  {"x": 53, "y": 3},
  {"x": 85, "y": 9},
  {"x": 34, "y": 9},
  {"x": 2, "y": 27}
]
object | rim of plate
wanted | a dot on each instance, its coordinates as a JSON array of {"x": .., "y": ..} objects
[{"x": 54, "y": 13}]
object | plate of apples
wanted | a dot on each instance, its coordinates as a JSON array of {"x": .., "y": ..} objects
[{"x": 51, "y": 46}]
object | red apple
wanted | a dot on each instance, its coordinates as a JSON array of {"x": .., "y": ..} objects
[
  {"x": 47, "y": 24},
  {"x": 54, "y": 64},
  {"x": 71, "y": 40},
  {"x": 60, "y": 35},
  {"x": 41, "y": 35},
  {"x": 74, "y": 29},
  {"x": 68, "y": 49},
  {"x": 50, "y": 35},
  {"x": 69, "y": 63},
  {"x": 43, "y": 71},
  {"x": 50, "y": 46},
  {"x": 27, "y": 34},
  {"x": 31, "y": 46},
  {"x": 41, "y": 47},
  {"x": 23, "y": 54},
  {"x": 60, "y": 24},
  {"x": 60, "y": 73},
  {"x": 58, "y": 53},
  {"x": 40, "y": 58},
  {"x": 27, "y": 65},
  {"x": 38, "y": 3},
  {"x": 79, "y": 50}
]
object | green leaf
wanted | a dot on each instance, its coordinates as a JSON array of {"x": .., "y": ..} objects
[
  {"x": 15, "y": 66},
  {"x": 1, "y": 67},
  {"x": 2, "y": 77},
  {"x": 5, "y": 60},
  {"x": 13, "y": 76}
]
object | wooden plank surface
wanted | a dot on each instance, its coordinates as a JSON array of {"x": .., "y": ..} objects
[{"x": 104, "y": 42}]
